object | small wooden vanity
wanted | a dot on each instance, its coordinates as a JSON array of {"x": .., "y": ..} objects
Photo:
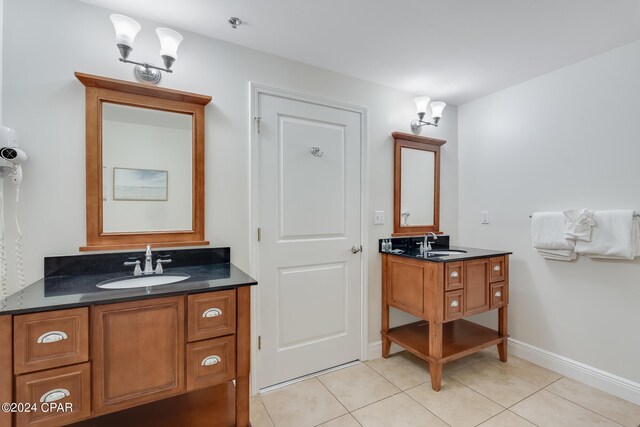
[{"x": 443, "y": 293}]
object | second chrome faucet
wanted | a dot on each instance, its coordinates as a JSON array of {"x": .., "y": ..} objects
[{"x": 148, "y": 264}]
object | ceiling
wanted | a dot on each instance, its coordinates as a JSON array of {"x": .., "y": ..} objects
[{"x": 451, "y": 50}]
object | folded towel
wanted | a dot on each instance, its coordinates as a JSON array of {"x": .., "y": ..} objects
[
  {"x": 559, "y": 255},
  {"x": 615, "y": 235},
  {"x": 547, "y": 231},
  {"x": 579, "y": 226}
]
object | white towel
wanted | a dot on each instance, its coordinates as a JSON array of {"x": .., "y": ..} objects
[
  {"x": 559, "y": 254},
  {"x": 547, "y": 231},
  {"x": 579, "y": 226},
  {"x": 616, "y": 235}
]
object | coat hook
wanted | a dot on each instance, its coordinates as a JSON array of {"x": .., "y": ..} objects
[{"x": 315, "y": 151}]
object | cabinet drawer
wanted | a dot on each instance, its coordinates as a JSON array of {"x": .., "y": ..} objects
[
  {"x": 211, "y": 362},
  {"x": 453, "y": 276},
  {"x": 498, "y": 294},
  {"x": 211, "y": 315},
  {"x": 51, "y": 339},
  {"x": 496, "y": 269},
  {"x": 453, "y": 305},
  {"x": 60, "y": 395}
]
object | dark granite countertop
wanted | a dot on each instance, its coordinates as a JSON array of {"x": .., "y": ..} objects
[
  {"x": 68, "y": 284},
  {"x": 471, "y": 253},
  {"x": 408, "y": 247}
]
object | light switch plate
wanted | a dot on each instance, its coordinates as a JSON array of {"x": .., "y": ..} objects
[
  {"x": 484, "y": 217},
  {"x": 378, "y": 217}
]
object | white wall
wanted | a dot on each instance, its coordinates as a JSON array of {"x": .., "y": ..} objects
[
  {"x": 568, "y": 139},
  {"x": 46, "y": 41}
]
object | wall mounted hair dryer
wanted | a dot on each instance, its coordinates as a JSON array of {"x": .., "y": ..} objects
[{"x": 11, "y": 157}]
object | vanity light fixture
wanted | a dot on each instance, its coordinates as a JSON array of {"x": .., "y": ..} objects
[
  {"x": 126, "y": 31},
  {"x": 422, "y": 102}
]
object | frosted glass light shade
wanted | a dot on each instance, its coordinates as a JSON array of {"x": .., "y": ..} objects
[
  {"x": 421, "y": 104},
  {"x": 126, "y": 29},
  {"x": 169, "y": 42},
  {"x": 436, "y": 109}
]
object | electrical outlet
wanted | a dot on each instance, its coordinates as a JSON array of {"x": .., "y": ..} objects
[
  {"x": 378, "y": 217},
  {"x": 484, "y": 217}
]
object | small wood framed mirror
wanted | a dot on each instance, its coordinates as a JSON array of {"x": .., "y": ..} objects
[
  {"x": 416, "y": 184},
  {"x": 144, "y": 165}
]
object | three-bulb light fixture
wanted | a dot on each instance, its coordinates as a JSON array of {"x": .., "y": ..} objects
[
  {"x": 422, "y": 102},
  {"x": 126, "y": 31}
]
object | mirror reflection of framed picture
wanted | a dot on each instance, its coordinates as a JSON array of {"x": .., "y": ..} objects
[{"x": 140, "y": 184}]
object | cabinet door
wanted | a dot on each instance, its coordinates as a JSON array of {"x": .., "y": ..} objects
[
  {"x": 476, "y": 286},
  {"x": 138, "y": 352},
  {"x": 59, "y": 396}
]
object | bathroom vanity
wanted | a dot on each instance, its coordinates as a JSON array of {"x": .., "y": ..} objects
[
  {"x": 170, "y": 355},
  {"x": 443, "y": 287}
]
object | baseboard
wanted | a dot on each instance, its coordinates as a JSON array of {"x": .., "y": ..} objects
[
  {"x": 578, "y": 371},
  {"x": 586, "y": 374}
]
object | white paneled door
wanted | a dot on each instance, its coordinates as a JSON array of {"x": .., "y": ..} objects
[{"x": 309, "y": 253}]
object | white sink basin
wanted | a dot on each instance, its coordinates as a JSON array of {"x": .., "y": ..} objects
[
  {"x": 142, "y": 281},
  {"x": 445, "y": 252}
]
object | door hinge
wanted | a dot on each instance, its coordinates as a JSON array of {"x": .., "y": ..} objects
[
  {"x": 259, "y": 234},
  {"x": 257, "y": 119},
  {"x": 259, "y": 343}
]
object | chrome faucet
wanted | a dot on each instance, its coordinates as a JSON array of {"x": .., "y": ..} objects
[
  {"x": 148, "y": 261},
  {"x": 427, "y": 243}
]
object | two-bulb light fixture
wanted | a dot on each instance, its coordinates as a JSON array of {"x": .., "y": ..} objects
[
  {"x": 126, "y": 31},
  {"x": 422, "y": 102}
]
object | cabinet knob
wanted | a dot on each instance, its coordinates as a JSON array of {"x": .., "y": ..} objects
[
  {"x": 54, "y": 395},
  {"x": 454, "y": 274},
  {"x": 211, "y": 360},
  {"x": 496, "y": 267},
  {"x": 212, "y": 312},
  {"x": 52, "y": 336},
  {"x": 454, "y": 303},
  {"x": 498, "y": 294}
]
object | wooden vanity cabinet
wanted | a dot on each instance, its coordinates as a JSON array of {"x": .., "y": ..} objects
[
  {"x": 112, "y": 361},
  {"x": 442, "y": 294}
]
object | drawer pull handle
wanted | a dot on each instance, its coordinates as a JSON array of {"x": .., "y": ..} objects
[
  {"x": 454, "y": 303},
  {"x": 496, "y": 267},
  {"x": 212, "y": 312},
  {"x": 55, "y": 395},
  {"x": 52, "y": 336},
  {"x": 498, "y": 294},
  {"x": 454, "y": 274},
  {"x": 211, "y": 360}
]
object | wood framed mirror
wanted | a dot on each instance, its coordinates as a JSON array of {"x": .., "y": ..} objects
[
  {"x": 144, "y": 165},
  {"x": 416, "y": 184}
]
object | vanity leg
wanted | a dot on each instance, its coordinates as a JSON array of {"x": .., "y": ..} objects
[
  {"x": 243, "y": 350},
  {"x": 503, "y": 330},
  {"x": 386, "y": 344},
  {"x": 435, "y": 352},
  {"x": 435, "y": 369}
]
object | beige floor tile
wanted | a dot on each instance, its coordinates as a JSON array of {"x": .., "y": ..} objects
[
  {"x": 545, "y": 409},
  {"x": 494, "y": 383},
  {"x": 259, "y": 415},
  {"x": 456, "y": 404},
  {"x": 526, "y": 370},
  {"x": 612, "y": 407},
  {"x": 307, "y": 403},
  {"x": 358, "y": 386},
  {"x": 403, "y": 369},
  {"x": 397, "y": 411},
  {"x": 343, "y": 421},
  {"x": 463, "y": 362},
  {"x": 507, "y": 419}
]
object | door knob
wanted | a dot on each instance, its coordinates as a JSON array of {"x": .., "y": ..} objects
[{"x": 356, "y": 248}]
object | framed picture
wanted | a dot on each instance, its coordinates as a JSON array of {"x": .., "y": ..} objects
[{"x": 140, "y": 184}]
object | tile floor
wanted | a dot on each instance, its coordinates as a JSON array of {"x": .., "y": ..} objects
[{"x": 477, "y": 390}]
